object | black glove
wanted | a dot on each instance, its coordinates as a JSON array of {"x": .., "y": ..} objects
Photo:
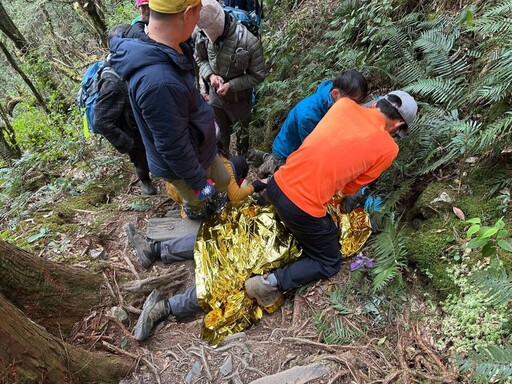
[
  {"x": 262, "y": 200},
  {"x": 258, "y": 185}
]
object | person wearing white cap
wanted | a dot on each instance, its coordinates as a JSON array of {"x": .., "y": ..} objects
[
  {"x": 231, "y": 61},
  {"x": 349, "y": 148},
  {"x": 175, "y": 122}
]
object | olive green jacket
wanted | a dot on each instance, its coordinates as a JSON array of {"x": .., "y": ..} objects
[{"x": 238, "y": 60}]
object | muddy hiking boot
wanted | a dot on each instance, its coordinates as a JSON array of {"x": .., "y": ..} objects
[
  {"x": 265, "y": 294},
  {"x": 144, "y": 248},
  {"x": 217, "y": 202},
  {"x": 155, "y": 309},
  {"x": 196, "y": 213},
  {"x": 270, "y": 165},
  {"x": 147, "y": 187}
]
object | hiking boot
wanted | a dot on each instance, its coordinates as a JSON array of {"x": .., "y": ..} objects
[
  {"x": 147, "y": 187},
  {"x": 196, "y": 213},
  {"x": 144, "y": 248},
  {"x": 265, "y": 294},
  {"x": 217, "y": 202},
  {"x": 269, "y": 166},
  {"x": 152, "y": 313},
  {"x": 256, "y": 157}
]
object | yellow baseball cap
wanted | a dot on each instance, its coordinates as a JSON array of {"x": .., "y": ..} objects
[{"x": 172, "y": 6}]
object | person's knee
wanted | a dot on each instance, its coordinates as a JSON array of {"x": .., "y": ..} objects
[{"x": 222, "y": 181}]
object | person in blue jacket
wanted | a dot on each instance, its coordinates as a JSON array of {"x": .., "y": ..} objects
[
  {"x": 304, "y": 117},
  {"x": 175, "y": 122}
]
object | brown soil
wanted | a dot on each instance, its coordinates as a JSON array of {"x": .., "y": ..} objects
[{"x": 397, "y": 348}]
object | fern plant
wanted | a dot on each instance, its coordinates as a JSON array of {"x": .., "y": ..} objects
[
  {"x": 338, "y": 332},
  {"x": 390, "y": 256},
  {"x": 493, "y": 363}
]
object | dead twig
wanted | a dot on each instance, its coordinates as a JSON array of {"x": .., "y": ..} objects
[
  {"x": 130, "y": 264},
  {"x": 168, "y": 281},
  {"x": 429, "y": 352},
  {"x": 202, "y": 356},
  {"x": 326, "y": 347},
  {"x": 338, "y": 375},
  {"x": 109, "y": 286}
]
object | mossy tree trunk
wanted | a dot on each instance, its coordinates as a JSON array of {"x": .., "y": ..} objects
[
  {"x": 94, "y": 11},
  {"x": 52, "y": 294},
  {"x": 29, "y": 354}
]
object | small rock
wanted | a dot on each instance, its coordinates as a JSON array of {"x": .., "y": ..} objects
[
  {"x": 194, "y": 373},
  {"x": 227, "y": 366},
  {"x": 98, "y": 253},
  {"x": 119, "y": 313},
  {"x": 443, "y": 198}
]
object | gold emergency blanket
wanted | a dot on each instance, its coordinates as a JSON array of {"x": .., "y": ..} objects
[{"x": 243, "y": 241}]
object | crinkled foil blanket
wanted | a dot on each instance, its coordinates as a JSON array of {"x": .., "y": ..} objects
[{"x": 243, "y": 241}]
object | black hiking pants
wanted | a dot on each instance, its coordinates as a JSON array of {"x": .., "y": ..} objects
[
  {"x": 138, "y": 158},
  {"x": 318, "y": 238}
]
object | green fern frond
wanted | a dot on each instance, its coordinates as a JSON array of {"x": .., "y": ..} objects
[
  {"x": 495, "y": 283},
  {"x": 493, "y": 362},
  {"x": 497, "y": 133},
  {"x": 392, "y": 199},
  {"x": 503, "y": 8},
  {"x": 390, "y": 255},
  {"x": 491, "y": 25},
  {"x": 440, "y": 90},
  {"x": 340, "y": 333},
  {"x": 434, "y": 41},
  {"x": 336, "y": 299}
]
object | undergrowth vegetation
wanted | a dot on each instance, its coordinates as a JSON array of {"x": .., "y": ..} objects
[{"x": 456, "y": 62}]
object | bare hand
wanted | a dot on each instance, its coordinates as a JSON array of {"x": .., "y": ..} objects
[
  {"x": 223, "y": 89},
  {"x": 216, "y": 81}
]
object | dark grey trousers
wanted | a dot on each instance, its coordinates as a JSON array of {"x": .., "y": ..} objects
[{"x": 179, "y": 249}]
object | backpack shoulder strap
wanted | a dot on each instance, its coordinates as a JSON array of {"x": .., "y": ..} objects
[{"x": 241, "y": 35}]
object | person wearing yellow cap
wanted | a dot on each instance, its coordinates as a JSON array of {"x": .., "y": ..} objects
[{"x": 176, "y": 123}]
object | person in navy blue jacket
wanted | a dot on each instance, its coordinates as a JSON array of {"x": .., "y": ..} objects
[
  {"x": 176, "y": 123},
  {"x": 304, "y": 117}
]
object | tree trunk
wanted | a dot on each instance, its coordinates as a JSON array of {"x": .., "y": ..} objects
[
  {"x": 8, "y": 27},
  {"x": 25, "y": 78},
  {"x": 9, "y": 148},
  {"x": 52, "y": 294},
  {"x": 29, "y": 354},
  {"x": 95, "y": 15}
]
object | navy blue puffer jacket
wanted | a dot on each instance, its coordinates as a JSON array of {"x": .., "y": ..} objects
[{"x": 175, "y": 122}]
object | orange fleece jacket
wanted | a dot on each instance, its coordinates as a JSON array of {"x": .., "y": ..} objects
[{"x": 348, "y": 149}]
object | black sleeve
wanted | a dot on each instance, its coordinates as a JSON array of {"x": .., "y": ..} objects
[{"x": 109, "y": 113}]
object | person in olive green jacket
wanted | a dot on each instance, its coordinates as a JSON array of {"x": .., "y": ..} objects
[{"x": 230, "y": 59}]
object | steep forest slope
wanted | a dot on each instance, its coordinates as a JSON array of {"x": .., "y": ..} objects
[{"x": 435, "y": 306}]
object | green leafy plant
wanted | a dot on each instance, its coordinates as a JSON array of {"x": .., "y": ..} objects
[
  {"x": 491, "y": 363},
  {"x": 487, "y": 238},
  {"x": 338, "y": 332},
  {"x": 390, "y": 256}
]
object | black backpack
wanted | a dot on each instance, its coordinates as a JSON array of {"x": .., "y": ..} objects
[{"x": 89, "y": 91}]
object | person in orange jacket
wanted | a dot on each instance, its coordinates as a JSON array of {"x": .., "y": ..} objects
[{"x": 349, "y": 148}]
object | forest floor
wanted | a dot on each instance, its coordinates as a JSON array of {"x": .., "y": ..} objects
[{"x": 398, "y": 346}]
